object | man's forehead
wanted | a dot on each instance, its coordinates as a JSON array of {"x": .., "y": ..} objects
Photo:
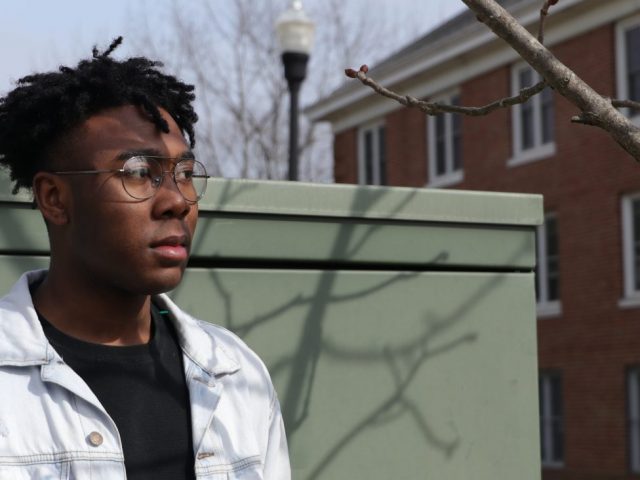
[{"x": 126, "y": 128}]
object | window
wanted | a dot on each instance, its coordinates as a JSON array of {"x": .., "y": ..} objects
[
  {"x": 372, "y": 168},
  {"x": 633, "y": 418},
  {"x": 631, "y": 249},
  {"x": 445, "y": 152},
  {"x": 547, "y": 268},
  {"x": 533, "y": 121},
  {"x": 628, "y": 59},
  {"x": 551, "y": 419}
]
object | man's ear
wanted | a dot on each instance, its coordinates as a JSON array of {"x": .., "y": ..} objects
[{"x": 53, "y": 196}]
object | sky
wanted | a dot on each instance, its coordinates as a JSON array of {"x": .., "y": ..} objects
[{"x": 39, "y": 35}]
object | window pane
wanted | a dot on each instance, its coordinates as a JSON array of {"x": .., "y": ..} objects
[
  {"x": 543, "y": 416},
  {"x": 368, "y": 157},
  {"x": 636, "y": 241},
  {"x": 526, "y": 125},
  {"x": 456, "y": 137},
  {"x": 551, "y": 238},
  {"x": 525, "y": 78},
  {"x": 633, "y": 400},
  {"x": 556, "y": 395},
  {"x": 633, "y": 62},
  {"x": 551, "y": 418},
  {"x": 547, "y": 116},
  {"x": 382, "y": 152},
  {"x": 557, "y": 454},
  {"x": 441, "y": 160},
  {"x": 552, "y": 288}
]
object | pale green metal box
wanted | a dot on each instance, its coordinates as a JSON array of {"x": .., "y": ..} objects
[{"x": 398, "y": 324}]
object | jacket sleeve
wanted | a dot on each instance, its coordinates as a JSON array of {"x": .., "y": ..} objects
[{"x": 276, "y": 460}]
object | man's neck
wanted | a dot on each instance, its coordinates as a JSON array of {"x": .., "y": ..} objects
[{"x": 93, "y": 314}]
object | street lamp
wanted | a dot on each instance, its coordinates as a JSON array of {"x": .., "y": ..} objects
[{"x": 295, "y": 36}]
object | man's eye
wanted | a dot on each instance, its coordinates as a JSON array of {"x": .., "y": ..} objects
[
  {"x": 184, "y": 175},
  {"x": 138, "y": 173}
]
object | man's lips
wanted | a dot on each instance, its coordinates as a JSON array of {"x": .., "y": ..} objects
[{"x": 175, "y": 247}]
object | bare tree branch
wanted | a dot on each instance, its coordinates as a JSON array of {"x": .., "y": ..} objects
[
  {"x": 544, "y": 11},
  {"x": 595, "y": 109},
  {"x": 433, "y": 108},
  {"x": 625, "y": 104},
  {"x": 598, "y": 109}
]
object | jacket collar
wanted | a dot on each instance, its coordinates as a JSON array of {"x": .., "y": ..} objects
[
  {"x": 23, "y": 342},
  {"x": 198, "y": 342}
]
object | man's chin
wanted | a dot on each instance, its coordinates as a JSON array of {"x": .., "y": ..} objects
[{"x": 164, "y": 282}]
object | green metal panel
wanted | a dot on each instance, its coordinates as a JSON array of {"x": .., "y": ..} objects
[
  {"x": 351, "y": 201},
  {"x": 289, "y": 222},
  {"x": 381, "y": 375},
  {"x": 414, "y": 244},
  {"x": 387, "y": 365}
]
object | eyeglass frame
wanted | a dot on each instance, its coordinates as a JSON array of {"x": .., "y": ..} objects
[{"x": 156, "y": 158}]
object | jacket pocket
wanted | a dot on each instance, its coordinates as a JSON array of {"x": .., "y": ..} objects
[
  {"x": 34, "y": 472},
  {"x": 246, "y": 469}
]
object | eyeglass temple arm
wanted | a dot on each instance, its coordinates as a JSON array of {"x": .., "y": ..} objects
[{"x": 88, "y": 172}]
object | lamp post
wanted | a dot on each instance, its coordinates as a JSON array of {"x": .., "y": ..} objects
[{"x": 295, "y": 36}]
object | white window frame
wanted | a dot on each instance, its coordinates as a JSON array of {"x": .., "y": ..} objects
[
  {"x": 544, "y": 306},
  {"x": 547, "y": 417},
  {"x": 622, "y": 85},
  {"x": 633, "y": 418},
  {"x": 631, "y": 296},
  {"x": 451, "y": 176},
  {"x": 373, "y": 127},
  {"x": 539, "y": 150}
]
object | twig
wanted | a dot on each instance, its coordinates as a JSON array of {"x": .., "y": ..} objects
[
  {"x": 431, "y": 108},
  {"x": 590, "y": 118},
  {"x": 625, "y": 104},
  {"x": 544, "y": 11}
]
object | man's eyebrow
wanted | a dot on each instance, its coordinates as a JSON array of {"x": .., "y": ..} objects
[{"x": 152, "y": 152}]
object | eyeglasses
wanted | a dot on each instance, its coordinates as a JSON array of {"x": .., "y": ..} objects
[{"x": 142, "y": 175}]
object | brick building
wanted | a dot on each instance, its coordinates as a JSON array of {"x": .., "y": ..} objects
[{"x": 589, "y": 246}]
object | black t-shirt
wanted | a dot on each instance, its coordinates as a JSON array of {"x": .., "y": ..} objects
[{"x": 143, "y": 389}]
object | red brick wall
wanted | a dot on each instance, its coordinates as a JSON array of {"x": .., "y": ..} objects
[
  {"x": 345, "y": 157},
  {"x": 593, "y": 340},
  {"x": 406, "y": 148}
]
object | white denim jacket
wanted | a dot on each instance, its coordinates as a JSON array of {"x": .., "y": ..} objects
[{"x": 52, "y": 426}]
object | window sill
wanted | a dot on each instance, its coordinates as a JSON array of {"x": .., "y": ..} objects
[
  {"x": 548, "y": 309},
  {"x": 532, "y": 155},
  {"x": 629, "y": 302},
  {"x": 446, "y": 180}
]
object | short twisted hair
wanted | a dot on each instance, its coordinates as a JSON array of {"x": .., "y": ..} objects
[{"x": 45, "y": 106}]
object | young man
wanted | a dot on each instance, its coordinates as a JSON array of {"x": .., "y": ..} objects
[{"x": 102, "y": 377}]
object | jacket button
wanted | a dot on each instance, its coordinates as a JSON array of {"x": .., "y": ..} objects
[{"x": 95, "y": 439}]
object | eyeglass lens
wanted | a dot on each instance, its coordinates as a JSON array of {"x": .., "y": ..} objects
[{"x": 142, "y": 176}]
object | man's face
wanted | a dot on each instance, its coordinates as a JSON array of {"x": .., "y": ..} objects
[{"x": 111, "y": 239}]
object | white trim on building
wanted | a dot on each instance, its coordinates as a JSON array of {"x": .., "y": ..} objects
[
  {"x": 630, "y": 251},
  {"x": 444, "y": 160},
  {"x": 371, "y": 154},
  {"x": 458, "y": 57},
  {"x": 622, "y": 67},
  {"x": 530, "y": 144},
  {"x": 551, "y": 420},
  {"x": 547, "y": 268}
]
